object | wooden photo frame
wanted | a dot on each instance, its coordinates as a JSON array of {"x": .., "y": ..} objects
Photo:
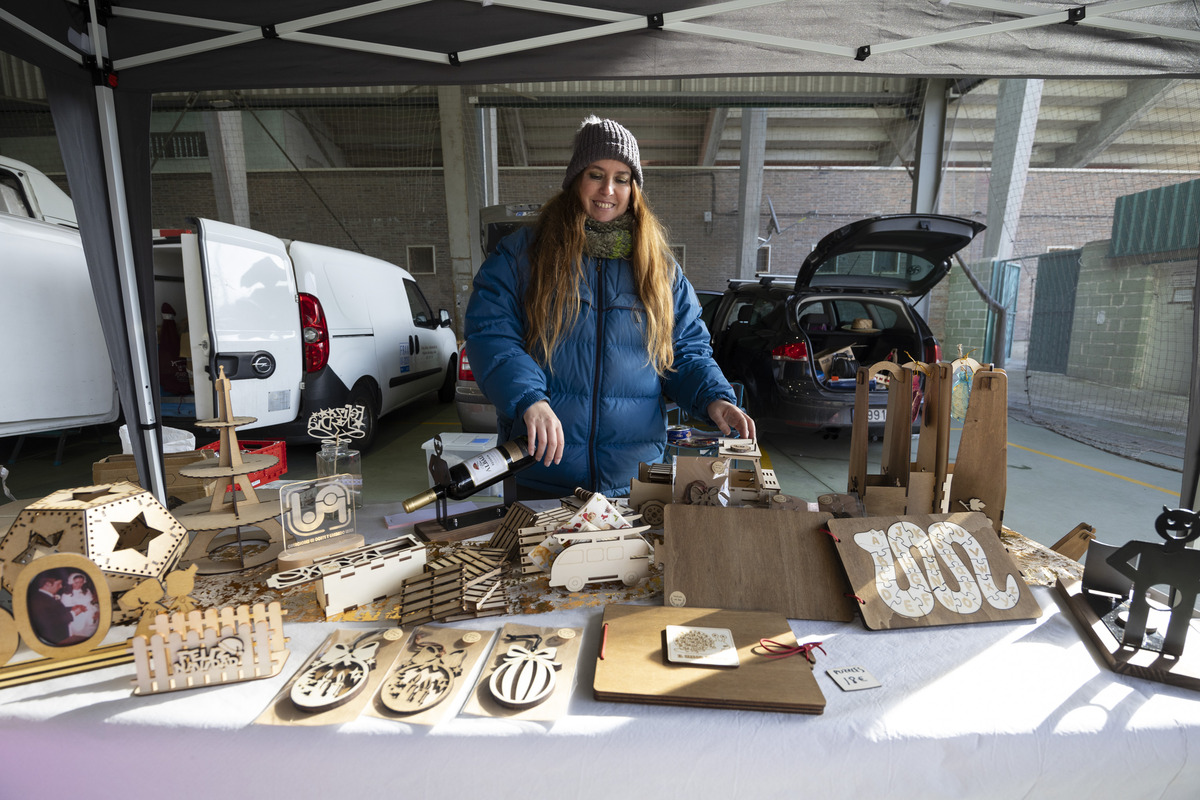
[{"x": 46, "y": 624}]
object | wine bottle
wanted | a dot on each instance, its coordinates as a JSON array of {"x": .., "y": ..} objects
[{"x": 477, "y": 472}]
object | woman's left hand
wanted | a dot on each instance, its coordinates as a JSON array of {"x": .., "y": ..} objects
[{"x": 729, "y": 418}]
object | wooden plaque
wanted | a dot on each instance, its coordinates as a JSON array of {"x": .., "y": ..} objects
[
  {"x": 631, "y": 666},
  {"x": 931, "y": 569},
  {"x": 754, "y": 559}
]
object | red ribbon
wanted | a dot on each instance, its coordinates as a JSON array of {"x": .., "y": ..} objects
[{"x": 779, "y": 650}]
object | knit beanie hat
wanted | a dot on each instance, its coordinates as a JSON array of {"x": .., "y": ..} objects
[{"x": 598, "y": 139}]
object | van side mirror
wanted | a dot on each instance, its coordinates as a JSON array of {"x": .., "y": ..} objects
[{"x": 444, "y": 320}]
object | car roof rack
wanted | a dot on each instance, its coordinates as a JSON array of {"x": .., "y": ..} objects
[{"x": 762, "y": 280}]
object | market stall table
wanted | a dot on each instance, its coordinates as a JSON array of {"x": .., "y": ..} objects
[{"x": 1006, "y": 709}]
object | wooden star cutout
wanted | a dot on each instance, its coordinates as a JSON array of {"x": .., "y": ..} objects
[
  {"x": 38, "y": 546},
  {"x": 135, "y": 535},
  {"x": 87, "y": 497}
]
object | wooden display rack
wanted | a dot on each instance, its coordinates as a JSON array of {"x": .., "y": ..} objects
[
  {"x": 239, "y": 507},
  {"x": 932, "y": 484}
]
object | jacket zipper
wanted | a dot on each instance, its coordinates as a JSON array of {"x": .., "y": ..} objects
[{"x": 598, "y": 309}]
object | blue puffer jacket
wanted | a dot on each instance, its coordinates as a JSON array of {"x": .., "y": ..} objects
[{"x": 608, "y": 398}]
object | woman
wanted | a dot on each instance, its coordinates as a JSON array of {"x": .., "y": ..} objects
[
  {"x": 577, "y": 328},
  {"x": 81, "y": 599}
]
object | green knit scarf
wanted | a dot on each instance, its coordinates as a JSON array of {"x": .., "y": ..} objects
[{"x": 610, "y": 239}]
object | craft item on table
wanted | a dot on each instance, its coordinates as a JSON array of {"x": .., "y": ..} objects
[
  {"x": 527, "y": 675},
  {"x": 334, "y": 428},
  {"x": 596, "y": 514},
  {"x": 599, "y": 556},
  {"x": 534, "y": 534},
  {"x": 754, "y": 559},
  {"x": 425, "y": 679},
  {"x": 1137, "y": 602},
  {"x": 369, "y": 574},
  {"x": 962, "y": 371},
  {"x": 120, "y": 528},
  {"x": 852, "y": 679},
  {"x": 420, "y": 688},
  {"x": 846, "y": 504},
  {"x": 238, "y": 516},
  {"x": 507, "y": 536},
  {"x": 143, "y": 602},
  {"x": 701, "y": 481},
  {"x": 932, "y": 484},
  {"x": 460, "y": 584},
  {"x": 62, "y": 610},
  {"x": 530, "y": 674},
  {"x": 337, "y": 675},
  {"x": 403, "y": 545},
  {"x": 1076, "y": 542},
  {"x": 910, "y": 571},
  {"x": 703, "y": 647},
  {"x": 749, "y": 482},
  {"x": 630, "y": 667},
  {"x": 338, "y": 681},
  {"x": 462, "y": 480},
  {"x": 315, "y": 514},
  {"x": 652, "y": 491},
  {"x": 197, "y": 649}
]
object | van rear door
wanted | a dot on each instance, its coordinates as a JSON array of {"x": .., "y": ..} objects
[{"x": 241, "y": 284}]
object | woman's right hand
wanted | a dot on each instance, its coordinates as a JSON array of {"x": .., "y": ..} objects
[{"x": 545, "y": 433}]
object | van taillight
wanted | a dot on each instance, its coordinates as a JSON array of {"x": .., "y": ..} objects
[
  {"x": 315, "y": 333},
  {"x": 933, "y": 354},
  {"x": 464, "y": 366},
  {"x": 796, "y": 351}
]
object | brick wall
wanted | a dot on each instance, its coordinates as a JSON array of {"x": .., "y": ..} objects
[{"x": 385, "y": 211}]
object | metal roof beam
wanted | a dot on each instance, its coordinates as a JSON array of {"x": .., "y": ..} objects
[{"x": 1117, "y": 117}]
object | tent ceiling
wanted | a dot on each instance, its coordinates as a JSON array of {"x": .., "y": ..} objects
[{"x": 177, "y": 45}]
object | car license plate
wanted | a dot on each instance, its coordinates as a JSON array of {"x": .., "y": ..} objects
[{"x": 874, "y": 415}]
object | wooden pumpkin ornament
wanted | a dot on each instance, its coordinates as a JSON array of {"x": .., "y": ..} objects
[{"x": 527, "y": 676}]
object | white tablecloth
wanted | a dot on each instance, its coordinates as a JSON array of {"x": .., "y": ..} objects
[{"x": 1005, "y": 710}]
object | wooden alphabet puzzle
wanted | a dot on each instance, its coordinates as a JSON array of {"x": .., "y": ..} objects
[{"x": 922, "y": 570}]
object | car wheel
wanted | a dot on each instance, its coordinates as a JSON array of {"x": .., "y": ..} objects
[
  {"x": 631, "y": 579},
  {"x": 446, "y": 393},
  {"x": 574, "y": 584},
  {"x": 363, "y": 397}
]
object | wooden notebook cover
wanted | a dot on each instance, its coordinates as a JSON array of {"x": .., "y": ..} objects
[
  {"x": 978, "y": 583},
  {"x": 633, "y": 667},
  {"x": 754, "y": 559}
]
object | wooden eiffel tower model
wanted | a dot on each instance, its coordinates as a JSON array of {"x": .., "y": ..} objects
[{"x": 235, "y": 506}]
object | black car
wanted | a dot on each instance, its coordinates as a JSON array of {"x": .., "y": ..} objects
[{"x": 796, "y": 342}]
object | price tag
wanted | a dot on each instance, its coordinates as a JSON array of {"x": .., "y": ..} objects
[{"x": 851, "y": 679}]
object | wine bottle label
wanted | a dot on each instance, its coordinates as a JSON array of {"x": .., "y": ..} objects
[{"x": 486, "y": 466}]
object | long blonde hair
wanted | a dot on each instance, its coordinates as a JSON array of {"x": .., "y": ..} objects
[{"x": 552, "y": 300}]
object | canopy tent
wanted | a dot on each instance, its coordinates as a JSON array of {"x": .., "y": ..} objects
[{"x": 103, "y": 60}]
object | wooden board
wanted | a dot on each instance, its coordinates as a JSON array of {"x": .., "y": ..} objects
[
  {"x": 565, "y": 642},
  {"x": 981, "y": 467},
  {"x": 1184, "y": 671},
  {"x": 753, "y": 559},
  {"x": 631, "y": 666},
  {"x": 904, "y": 583}
]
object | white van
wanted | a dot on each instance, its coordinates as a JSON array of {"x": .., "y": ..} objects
[
  {"x": 56, "y": 370},
  {"x": 298, "y": 327}
]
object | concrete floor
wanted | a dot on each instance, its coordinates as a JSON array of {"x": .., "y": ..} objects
[{"x": 1054, "y": 483}]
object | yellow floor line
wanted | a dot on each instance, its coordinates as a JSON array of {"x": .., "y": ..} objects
[{"x": 1094, "y": 469}]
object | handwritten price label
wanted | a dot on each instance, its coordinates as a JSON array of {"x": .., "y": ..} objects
[{"x": 851, "y": 679}]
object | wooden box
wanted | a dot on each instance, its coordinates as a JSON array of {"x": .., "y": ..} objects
[{"x": 122, "y": 468}]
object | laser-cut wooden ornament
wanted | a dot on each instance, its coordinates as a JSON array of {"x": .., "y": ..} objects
[
  {"x": 920, "y": 570},
  {"x": 120, "y": 528},
  {"x": 197, "y": 649},
  {"x": 421, "y": 689}
]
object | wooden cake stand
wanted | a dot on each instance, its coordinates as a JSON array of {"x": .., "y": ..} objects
[{"x": 218, "y": 522}]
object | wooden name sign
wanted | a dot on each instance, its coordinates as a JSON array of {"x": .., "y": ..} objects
[{"x": 931, "y": 569}]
